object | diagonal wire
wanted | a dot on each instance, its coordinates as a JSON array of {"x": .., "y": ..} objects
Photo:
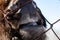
[
  {"x": 56, "y": 21},
  {"x": 49, "y": 29},
  {"x": 38, "y": 37},
  {"x": 55, "y": 34}
]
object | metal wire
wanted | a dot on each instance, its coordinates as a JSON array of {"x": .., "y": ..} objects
[{"x": 51, "y": 27}]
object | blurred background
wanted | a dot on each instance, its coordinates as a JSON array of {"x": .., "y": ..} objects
[{"x": 51, "y": 10}]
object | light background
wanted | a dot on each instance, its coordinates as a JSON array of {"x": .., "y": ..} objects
[{"x": 51, "y": 10}]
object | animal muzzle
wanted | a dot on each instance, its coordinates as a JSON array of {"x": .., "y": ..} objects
[{"x": 32, "y": 32}]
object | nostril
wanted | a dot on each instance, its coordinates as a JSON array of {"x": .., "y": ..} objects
[{"x": 9, "y": 17}]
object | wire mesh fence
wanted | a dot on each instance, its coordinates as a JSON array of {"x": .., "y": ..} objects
[{"x": 51, "y": 28}]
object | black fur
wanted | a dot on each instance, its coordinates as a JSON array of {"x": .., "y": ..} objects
[{"x": 28, "y": 10}]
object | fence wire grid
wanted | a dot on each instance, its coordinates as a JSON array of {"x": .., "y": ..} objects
[{"x": 51, "y": 28}]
